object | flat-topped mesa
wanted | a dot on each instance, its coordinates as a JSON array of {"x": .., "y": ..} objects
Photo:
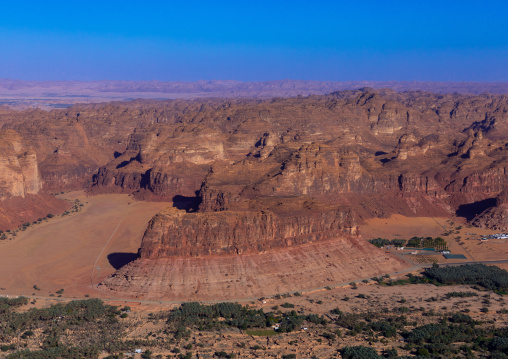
[{"x": 175, "y": 233}]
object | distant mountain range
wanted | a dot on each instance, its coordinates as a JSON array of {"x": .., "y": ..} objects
[{"x": 55, "y": 94}]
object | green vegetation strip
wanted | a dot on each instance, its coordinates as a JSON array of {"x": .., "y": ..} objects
[{"x": 429, "y": 243}]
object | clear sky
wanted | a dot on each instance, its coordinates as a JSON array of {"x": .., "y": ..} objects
[{"x": 260, "y": 40}]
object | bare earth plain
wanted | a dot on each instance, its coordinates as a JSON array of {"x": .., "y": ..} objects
[{"x": 61, "y": 253}]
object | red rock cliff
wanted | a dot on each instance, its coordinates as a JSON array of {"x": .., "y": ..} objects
[
  {"x": 176, "y": 233},
  {"x": 19, "y": 172}
]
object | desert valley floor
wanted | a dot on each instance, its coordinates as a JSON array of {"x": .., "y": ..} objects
[{"x": 77, "y": 251}]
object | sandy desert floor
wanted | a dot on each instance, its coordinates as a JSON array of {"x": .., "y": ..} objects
[{"x": 61, "y": 253}]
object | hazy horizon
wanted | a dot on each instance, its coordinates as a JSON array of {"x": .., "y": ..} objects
[{"x": 262, "y": 41}]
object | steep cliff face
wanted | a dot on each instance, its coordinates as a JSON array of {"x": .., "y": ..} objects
[
  {"x": 19, "y": 172},
  {"x": 163, "y": 160},
  {"x": 72, "y": 144},
  {"x": 177, "y": 233},
  {"x": 328, "y": 174},
  {"x": 22, "y": 198},
  {"x": 407, "y": 153}
]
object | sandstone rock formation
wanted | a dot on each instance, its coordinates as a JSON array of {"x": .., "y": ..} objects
[
  {"x": 230, "y": 277},
  {"x": 19, "y": 172},
  {"x": 257, "y": 179},
  {"x": 276, "y": 246},
  {"x": 160, "y": 149},
  {"x": 177, "y": 233},
  {"x": 21, "y": 184},
  {"x": 495, "y": 217},
  {"x": 427, "y": 153},
  {"x": 299, "y": 173}
]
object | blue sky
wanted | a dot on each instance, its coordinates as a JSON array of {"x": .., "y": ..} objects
[{"x": 254, "y": 41}]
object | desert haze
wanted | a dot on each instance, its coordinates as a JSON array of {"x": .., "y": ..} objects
[{"x": 61, "y": 94}]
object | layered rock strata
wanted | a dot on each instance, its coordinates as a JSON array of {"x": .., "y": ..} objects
[
  {"x": 428, "y": 154},
  {"x": 290, "y": 176},
  {"x": 304, "y": 267},
  {"x": 19, "y": 172},
  {"x": 175, "y": 233},
  {"x": 277, "y": 246}
]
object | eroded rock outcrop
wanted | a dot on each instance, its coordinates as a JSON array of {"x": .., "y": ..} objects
[
  {"x": 175, "y": 233},
  {"x": 423, "y": 152},
  {"x": 283, "y": 177},
  {"x": 163, "y": 160},
  {"x": 304, "y": 267},
  {"x": 19, "y": 172},
  {"x": 495, "y": 217}
]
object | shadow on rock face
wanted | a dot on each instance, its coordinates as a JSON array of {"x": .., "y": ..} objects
[
  {"x": 470, "y": 210},
  {"x": 189, "y": 204},
  {"x": 118, "y": 260}
]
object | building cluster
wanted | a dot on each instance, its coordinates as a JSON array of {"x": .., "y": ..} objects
[{"x": 495, "y": 236}]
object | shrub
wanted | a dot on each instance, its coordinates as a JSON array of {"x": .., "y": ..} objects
[
  {"x": 329, "y": 336},
  {"x": 223, "y": 354},
  {"x": 359, "y": 352},
  {"x": 287, "y": 305}
]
